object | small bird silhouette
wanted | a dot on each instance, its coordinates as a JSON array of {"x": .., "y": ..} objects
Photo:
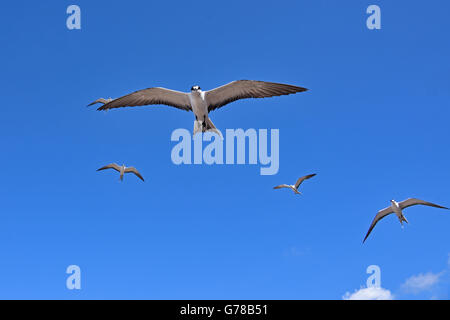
[
  {"x": 122, "y": 169},
  {"x": 296, "y": 185}
]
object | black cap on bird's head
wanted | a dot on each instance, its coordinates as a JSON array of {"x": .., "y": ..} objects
[{"x": 195, "y": 88}]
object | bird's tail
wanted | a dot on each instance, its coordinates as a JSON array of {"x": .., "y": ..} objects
[{"x": 204, "y": 126}]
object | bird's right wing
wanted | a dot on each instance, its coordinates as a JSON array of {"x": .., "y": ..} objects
[
  {"x": 299, "y": 181},
  {"x": 412, "y": 202},
  {"x": 282, "y": 186},
  {"x": 380, "y": 215},
  {"x": 101, "y": 100},
  {"x": 135, "y": 171},
  {"x": 110, "y": 166},
  {"x": 150, "y": 96}
]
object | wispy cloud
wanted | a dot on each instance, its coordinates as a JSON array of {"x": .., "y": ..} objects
[
  {"x": 295, "y": 252},
  {"x": 421, "y": 282},
  {"x": 372, "y": 293}
]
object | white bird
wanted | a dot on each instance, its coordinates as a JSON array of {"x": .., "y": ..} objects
[
  {"x": 397, "y": 207},
  {"x": 296, "y": 185},
  {"x": 203, "y": 102},
  {"x": 122, "y": 169}
]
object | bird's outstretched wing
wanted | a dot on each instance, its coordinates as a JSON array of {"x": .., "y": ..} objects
[
  {"x": 282, "y": 186},
  {"x": 299, "y": 181},
  {"x": 101, "y": 100},
  {"x": 110, "y": 166},
  {"x": 380, "y": 215},
  {"x": 150, "y": 96},
  {"x": 243, "y": 89},
  {"x": 135, "y": 171},
  {"x": 412, "y": 202}
]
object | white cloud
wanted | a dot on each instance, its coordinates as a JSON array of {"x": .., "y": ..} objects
[
  {"x": 372, "y": 293},
  {"x": 421, "y": 282}
]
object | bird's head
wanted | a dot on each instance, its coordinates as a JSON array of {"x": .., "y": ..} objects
[
  {"x": 392, "y": 201},
  {"x": 195, "y": 88}
]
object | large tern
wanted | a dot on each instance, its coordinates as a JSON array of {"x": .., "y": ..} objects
[
  {"x": 122, "y": 170},
  {"x": 397, "y": 207},
  {"x": 203, "y": 102},
  {"x": 296, "y": 185}
]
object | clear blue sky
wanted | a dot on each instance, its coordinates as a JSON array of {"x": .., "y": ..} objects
[{"x": 374, "y": 126}]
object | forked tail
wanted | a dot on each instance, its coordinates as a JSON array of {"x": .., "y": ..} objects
[{"x": 204, "y": 126}]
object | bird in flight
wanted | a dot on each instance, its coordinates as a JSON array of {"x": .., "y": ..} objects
[
  {"x": 122, "y": 169},
  {"x": 397, "y": 208},
  {"x": 296, "y": 185},
  {"x": 203, "y": 102}
]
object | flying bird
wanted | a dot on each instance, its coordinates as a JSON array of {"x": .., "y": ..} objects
[
  {"x": 397, "y": 207},
  {"x": 122, "y": 169},
  {"x": 296, "y": 185},
  {"x": 203, "y": 102},
  {"x": 101, "y": 100}
]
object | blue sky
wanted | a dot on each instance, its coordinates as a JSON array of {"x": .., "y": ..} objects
[{"x": 374, "y": 127}]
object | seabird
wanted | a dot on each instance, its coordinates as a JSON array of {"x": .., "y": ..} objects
[
  {"x": 122, "y": 169},
  {"x": 203, "y": 102},
  {"x": 296, "y": 185},
  {"x": 397, "y": 207}
]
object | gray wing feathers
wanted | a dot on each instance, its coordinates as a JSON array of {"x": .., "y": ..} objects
[
  {"x": 299, "y": 181},
  {"x": 243, "y": 89},
  {"x": 380, "y": 215},
  {"x": 135, "y": 171},
  {"x": 110, "y": 166},
  {"x": 151, "y": 96},
  {"x": 282, "y": 186},
  {"x": 101, "y": 100},
  {"x": 413, "y": 201}
]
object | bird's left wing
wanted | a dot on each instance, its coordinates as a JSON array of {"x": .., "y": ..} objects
[
  {"x": 282, "y": 186},
  {"x": 114, "y": 166},
  {"x": 412, "y": 202},
  {"x": 244, "y": 89},
  {"x": 299, "y": 181},
  {"x": 134, "y": 170},
  {"x": 150, "y": 96},
  {"x": 380, "y": 215}
]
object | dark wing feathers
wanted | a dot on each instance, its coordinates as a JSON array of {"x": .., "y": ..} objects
[
  {"x": 244, "y": 89},
  {"x": 135, "y": 171},
  {"x": 380, "y": 215},
  {"x": 101, "y": 100},
  {"x": 299, "y": 181},
  {"x": 413, "y": 201},
  {"x": 110, "y": 166},
  {"x": 151, "y": 96}
]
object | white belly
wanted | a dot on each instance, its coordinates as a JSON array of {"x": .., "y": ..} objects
[
  {"x": 396, "y": 210},
  {"x": 199, "y": 105}
]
